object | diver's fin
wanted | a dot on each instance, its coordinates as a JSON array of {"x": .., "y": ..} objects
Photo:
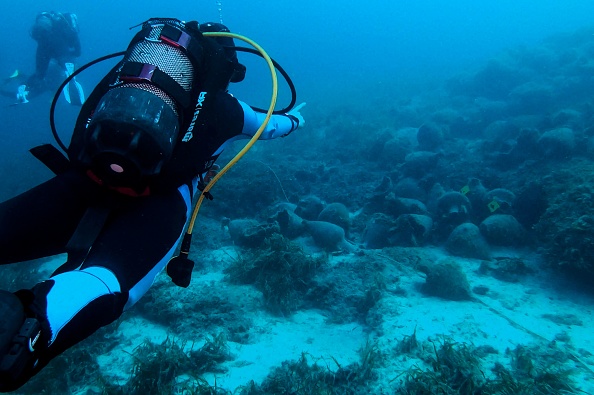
[
  {"x": 77, "y": 90},
  {"x": 74, "y": 93},
  {"x": 66, "y": 92},
  {"x": 21, "y": 95},
  {"x": 80, "y": 91},
  {"x": 11, "y": 77},
  {"x": 68, "y": 72}
]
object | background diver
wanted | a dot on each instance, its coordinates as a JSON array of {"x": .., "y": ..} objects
[{"x": 58, "y": 44}]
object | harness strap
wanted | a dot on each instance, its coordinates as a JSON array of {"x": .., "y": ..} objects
[
  {"x": 83, "y": 237},
  {"x": 182, "y": 40},
  {"x": 143, "y": 72},
  {"x": 52, "y": 158},
  {"x": 92, "y": 221}
]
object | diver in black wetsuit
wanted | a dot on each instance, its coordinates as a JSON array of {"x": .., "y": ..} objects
[
  {"x": 57, "y": 36},
  {"x": 124, "y": 176}
]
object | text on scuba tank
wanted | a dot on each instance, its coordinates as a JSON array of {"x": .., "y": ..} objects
[{"x": 188, "y": 136}]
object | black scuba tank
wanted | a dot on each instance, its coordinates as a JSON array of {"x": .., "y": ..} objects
[{"x": 133, "y": 125}]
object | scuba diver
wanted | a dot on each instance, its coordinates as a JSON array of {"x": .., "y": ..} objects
[
  {"x": 119, "y": 204},
  {"x": 57, "y": 39}
]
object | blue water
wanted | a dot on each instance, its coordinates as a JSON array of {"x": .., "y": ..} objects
[
  {"x": 337, "y": 52},
  {"x": 326, "y": 45},
  {"x": 343, "y": 51}
]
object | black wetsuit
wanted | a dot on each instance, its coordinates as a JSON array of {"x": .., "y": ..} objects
[{"x": 135, "y": 244}]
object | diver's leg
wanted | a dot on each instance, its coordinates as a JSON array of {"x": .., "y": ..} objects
[
  {"x": 40, "y": 221},
  {"x": 36, "y": 223},
  {"x": 135, "y": 245}
]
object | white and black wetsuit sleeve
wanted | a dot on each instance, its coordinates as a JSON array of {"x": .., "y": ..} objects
[{"x": 279, "y": 125}]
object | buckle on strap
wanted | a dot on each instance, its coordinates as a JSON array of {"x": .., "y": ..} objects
[
  {"x": 136, "y": 72},
  {"x": 178, "y": 38},
  {"x": 19, "y": 354},
  {"x": 175, "y": 37}
]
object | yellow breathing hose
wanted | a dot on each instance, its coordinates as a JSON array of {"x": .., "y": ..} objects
[{"x": 256, "y": 136}]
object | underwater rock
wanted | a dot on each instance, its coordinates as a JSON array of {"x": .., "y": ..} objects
[
  {"x": 384, "y": 187},
  {"x": 461, "y": 125},
  {"x": 453, "y": 204},
  {"x": 291, "y": 225},
  {"x": 337, "y": 214},
  {"x": 378, "y": 231},
  {"x": 277, "y": 208},
  {"x": 491, "y": 110},
  {"x": 430, "y": 137},
  {"x": 411, "y": 230},
  {"x": 409, "y": 188},
  {"x": 503, "y": 230},
  {"x": 571, "y": 249},
  {"x": 238, "y": 227},
  {"x": 249, "y": 232},
  {"x": 528, "y": 140},
  {"x": 452, "y": 209},
  {"x": 446, "y": 280},
  {"x": 270, "y": 212},
  {"x": 590, "y": 147},
  {"x": 511, "y": 270},
  {"x": 408, "y": 135},
  {"x": 495, "y": 80},
  {"x": 476, "y": 195},
  {"x": 530, "y": 205},
  {"x": 394, "y": 151},
  {"x": 309, "y": 207},
  {"x": 375, "y": 199},
  {"x": 500, "y": 153},
  {"x": 328, "y": 236},
  {"x": 557, "y": 143},
  {"x": 467, "y": 241},
  {"x": 499, "y": 131},
  {"x": 531, "y": 98},
  {"x": 446, "y": 116},
  {"x": 436, "y": 191},
  {"x": 526, "y": 147},
  {"x": 396, "y": 206},
  {"x": 420, "y": 163},
  {"x": 567, "y": 118},
  {"x": 500, "y": 200}
]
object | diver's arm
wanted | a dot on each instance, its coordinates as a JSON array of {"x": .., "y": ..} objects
[
  {"x": 73, "y": 34},
  {"x": 238, "y": 121},
  {"x": 279, "y": 125}
]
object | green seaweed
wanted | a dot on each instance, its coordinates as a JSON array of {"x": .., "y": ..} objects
[
  {"x": 457, "y": 368},
  {"x": 408, "y": 344},
  {"x": 281, "y": 271},
  {"x": 157, "y": 366},
  {"x": 167, "y": 368},
  {"x": 301, "y": 377}
]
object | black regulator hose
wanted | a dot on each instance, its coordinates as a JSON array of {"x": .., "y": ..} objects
[
  {"x": 285, "y": 76},
  {"x": 116, "y": 54}
]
